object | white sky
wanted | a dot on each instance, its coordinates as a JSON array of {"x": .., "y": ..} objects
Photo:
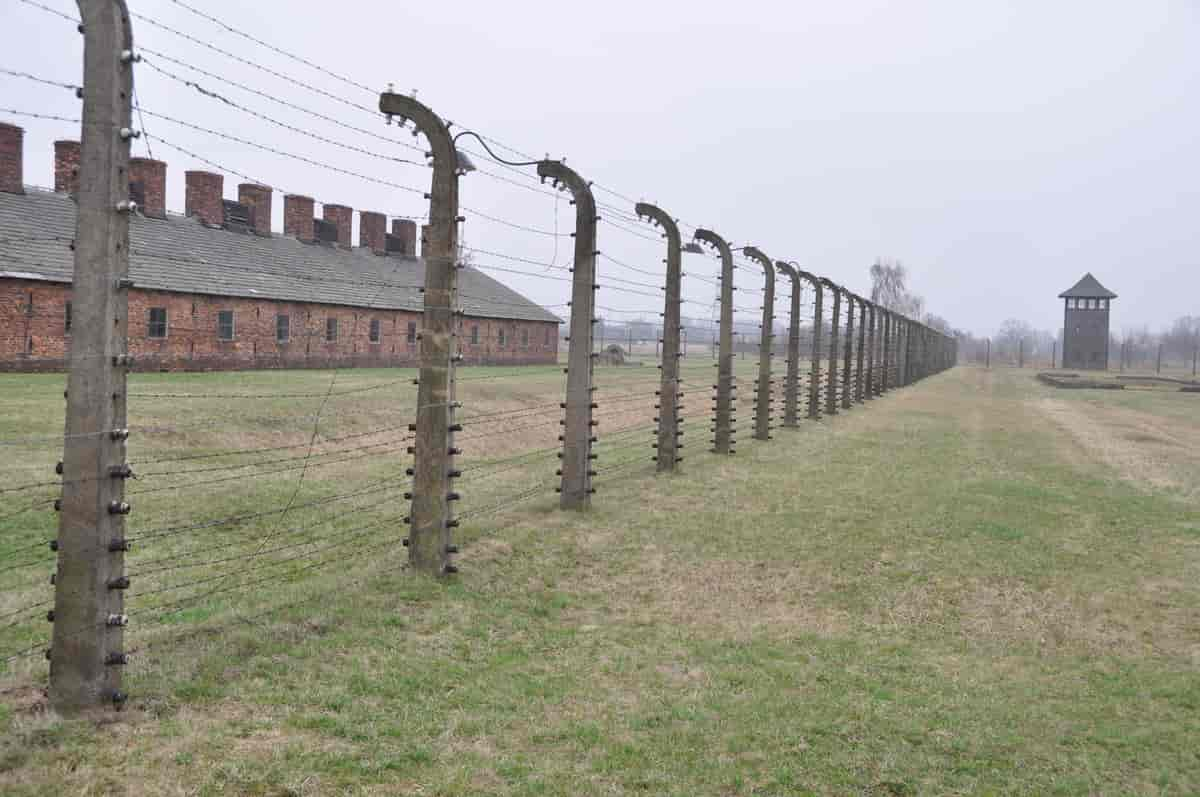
[{"x": 998, "y": 149}]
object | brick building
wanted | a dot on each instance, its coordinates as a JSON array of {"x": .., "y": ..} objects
[
  {"x": 217, "y": 289},
  {"x": 1086, "y": 324}
]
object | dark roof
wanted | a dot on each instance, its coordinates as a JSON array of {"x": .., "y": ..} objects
[
  {"x": 181, "y": 255},
  {"x": 1088, "y": 288}
]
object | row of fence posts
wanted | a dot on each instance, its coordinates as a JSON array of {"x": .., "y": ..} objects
[
  {"x": 1127, "y": 359},
  {"x": 87, "y": 648},
  {"x": 1123, "y": 360}
]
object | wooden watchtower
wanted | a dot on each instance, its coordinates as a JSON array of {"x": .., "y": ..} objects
[{"x": 1085, "y": 324}]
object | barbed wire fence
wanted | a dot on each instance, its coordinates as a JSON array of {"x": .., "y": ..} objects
[{"x": 175, "y": 511}]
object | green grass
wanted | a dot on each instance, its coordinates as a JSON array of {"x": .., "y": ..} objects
[{"x": 942, "y": 592}]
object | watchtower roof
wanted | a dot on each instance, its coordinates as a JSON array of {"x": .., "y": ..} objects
[{"x": 1087, "y": 288}]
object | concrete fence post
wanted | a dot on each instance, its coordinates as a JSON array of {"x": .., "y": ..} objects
[
  {"x": 861, "y": 353},
  {"x": 831, "y": 376},
  {"x": 919, "y": 371},
  {"x": 814, "y": 378},
  {"x": 431, "y": 517},
  {"x": 576, "y": 486},
  {"x": 762, "y": 406},
  {"x": 914, "y": 352},
  {"x": 723, "y": 416},
  {"x": 791, "y": 388},
  {"x": 669, "y": 394},
  {"x": 87, "y": 641},
  {"x": 910, "y": 353},
  {"x": 848, "y": 355},
  {"x": 885, "y": 381},
  {"x": 871, "y": 325}
]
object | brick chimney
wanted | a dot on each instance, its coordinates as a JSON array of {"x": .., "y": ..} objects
[
  {"x": 204, "y": 193},
  {"x": 342, "y": 216},
  {"x": 258, "y": 198},
  {"x": 372, "y": 231},
  {"x": 406, "y": 231},
  {"x": 66, "y": 167},
  {"x": 298, "y": 216},
  {"x": 12, "y": 159},
  {"x": 152, "y": 175}
]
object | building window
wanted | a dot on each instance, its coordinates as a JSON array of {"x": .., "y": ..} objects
[
  {"x": 525, "y": 338},
  {"x": 1104, "y": 304},
  {"x": 283, "y": 328},
  {"x": 411, "y": 335},
  {"x": 156, "y": 326},
  {"x": 330, "y": 330},
  {"x": 67, "y": 318},
  {"x": 224, "y": 325},
  {"x": 547, "y": 336},
  {"x": 500, "y": 337},
  {"x": 475, "y": 334},
  {"x": 1092, "y": 304},
  {"x": 374, "y": 334}
]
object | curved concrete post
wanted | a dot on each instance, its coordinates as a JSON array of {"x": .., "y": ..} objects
[
  {"x": 576, "y": 487},
  {"x": 429, "y": 544},
  {"x": 885, "y": 353},
  {"x": 82, "y": 676},
  {"x": 862, "y": 345},
  {"x": 918, "y": 351},
  {"x": 762, "y": 405},
  {"x": 848, "y": 356},
  {"x": 814, "y": 379},
  {"x": 831, "y": 406},
  {"x": 871, "y": 341},
  {"x": 723, "y": 417},
  {"x": 791, "y": 387},
  {"x": 668, "y": 444}
]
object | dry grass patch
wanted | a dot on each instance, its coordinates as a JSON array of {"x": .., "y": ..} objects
[
  {"x": 1144, "y": 449},
  {"x": 730, "y": 599}
]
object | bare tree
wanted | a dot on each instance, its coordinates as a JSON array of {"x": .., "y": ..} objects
[
  {"x": 937, "y": 322},
  {"x": 889, "y": 288}
]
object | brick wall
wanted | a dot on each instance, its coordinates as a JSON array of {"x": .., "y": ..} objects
[{"x": 33, "y": 338}]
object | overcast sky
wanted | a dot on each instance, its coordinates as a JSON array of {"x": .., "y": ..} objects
[{"x": 998, "y": 149}]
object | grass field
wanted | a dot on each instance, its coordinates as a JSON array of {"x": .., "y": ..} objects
[{"x": 977, "y": 584}]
